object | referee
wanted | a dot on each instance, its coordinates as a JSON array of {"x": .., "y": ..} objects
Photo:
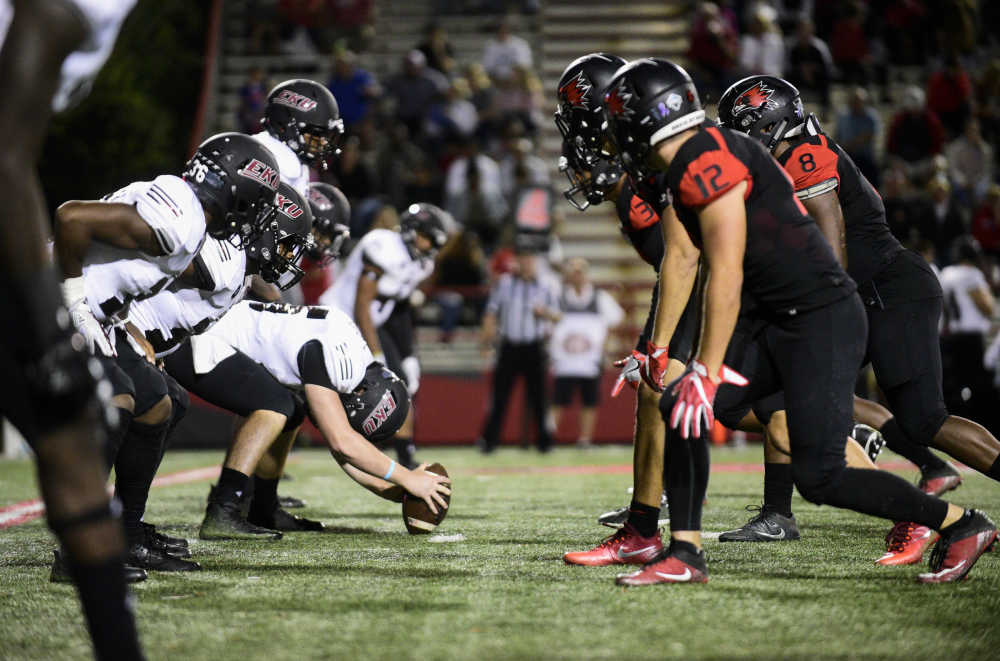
[{"x": 521, "y": 309}]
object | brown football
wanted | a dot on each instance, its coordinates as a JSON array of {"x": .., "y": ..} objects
[{"x": 417, "y": 516}]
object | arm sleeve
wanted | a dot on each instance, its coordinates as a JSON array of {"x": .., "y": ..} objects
[{"x": 312, "y": 365}]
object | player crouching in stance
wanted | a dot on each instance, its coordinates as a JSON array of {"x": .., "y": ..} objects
[{"x": 780, "y": 302}]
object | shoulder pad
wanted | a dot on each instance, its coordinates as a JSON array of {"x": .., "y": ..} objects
[{"x": 169, "y": 207}]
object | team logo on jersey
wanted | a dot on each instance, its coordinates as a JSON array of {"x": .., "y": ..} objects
[
  {"x": 617, "y": 101},
  {"x": 294, "y": 100},
  {"x": 288, "y": 207},
  {"x": 758, "y": 96},
  {"x": 381, "y": 413},
  {"x": 261, "y": 172},
  {"x": 575, "y": 92}
]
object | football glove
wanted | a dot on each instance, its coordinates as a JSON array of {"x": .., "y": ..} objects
[
  {"x": 84, "y": 320},
  {"x": 695, "y": 394},
  {"x": 631, "y": 366},
  {"x": 655, "y": 366}
]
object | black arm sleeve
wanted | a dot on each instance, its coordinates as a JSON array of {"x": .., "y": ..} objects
[{"x": 312, "y": 366}]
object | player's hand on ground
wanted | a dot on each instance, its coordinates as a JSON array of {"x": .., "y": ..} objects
[
  {"x": 429, "y": 487},
  {"x": 695, "y": 393},
  {"x": 655, "y": 367},
  {"x": 631, "y": 372}
]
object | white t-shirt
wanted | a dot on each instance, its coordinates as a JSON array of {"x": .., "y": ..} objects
[
  {"x": 577, "y": 343},
  {"x": 401, "y": 274},
  {"x": 293, "y": 172},
  {"x": 273, "y": 333},
  {"x": 114, "y": 277},
  {"x": 963, "y": 315}
]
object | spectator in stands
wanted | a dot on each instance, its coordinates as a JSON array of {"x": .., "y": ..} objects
[
  {"x": 762, "y": 50},
  {"x": 902, "y": 206},
  {"x": 970, "y": 159},
  {"x": 504, "y": 52},
  {"x": 414, "y": 90},
  {"x": 578, "y": 343},
  {"x": 986, "y": 222},
  {"x": 484, "y": 97},
  {"x": 519, "y": 166},
  {"x": 354, "y": 88},
  {"x": 987, "y": 108},
  {"x": 407, "y": 172},
  {"x": 253, "y": 98},
  {"x": 454, "y": 119},
  {"x": 474, "y": 196},
  {"x": 905, "y": 31},
  {"x": 461, "y": 268},
  {"x": 942, "y": 220},
  {"x": 713, "y": 50},
  {"x": 351, "y": 174},
  {"x": 520, "y": 98},
  {"x": 949, "y": 95},
  {"x": 437, "y": 49},
  {"x": 809, "y": 64},
  {"x": 857, "y": 129},
  {"x": 915, "y": 133},
  {"x": 851, "y": 50}
]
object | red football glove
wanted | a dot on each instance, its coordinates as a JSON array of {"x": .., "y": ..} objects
[
  {"x": 631, "y": 372},
  {"x": 695, "y": 394},
  {"x": 655, "y": 366}
]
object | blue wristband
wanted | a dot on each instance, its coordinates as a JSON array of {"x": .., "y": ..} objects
[{"x": 388, "y": 473}]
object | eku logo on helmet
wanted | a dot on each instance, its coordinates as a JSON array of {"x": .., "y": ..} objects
[
  {"x": 758, "y": 96},
  {"x": 294, "y": 100},
  {"x": 320, "y": 200},
  {"x": 261, "y": 172},
  {"x": 381, "y": 413},
  {"x": 288, "y": 207}
]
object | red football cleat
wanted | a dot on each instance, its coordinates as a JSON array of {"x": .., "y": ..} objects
[
  {"x": 959, "y": 548},
  {"x": 670, "y": 567},
  {"x": 905, "y": 544},
  {"x": 625, "y": 547},
  {"x": 941, "y": 481}
]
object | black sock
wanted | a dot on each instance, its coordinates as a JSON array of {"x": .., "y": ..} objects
[
  {"x": 115, "y": 437},
  {"x": 994, "y": 470},
  {"x": 778, "y": 486},
  {"x": 965, "y": 518},
  {"x": 643, "y": 518},
  {"x": 265, "y": 497},
  {"x": 136, "y": 464},
  {"x": 687, "y": 547},
  {"x": 405, "y": 449},
  {"x": 106, "y": 606},
  {"x": 899, "y": 443},
  {"x": 231, "y": 487},
  {"x": 686, "y": 481},
  {"x": 883, "y": 494}
]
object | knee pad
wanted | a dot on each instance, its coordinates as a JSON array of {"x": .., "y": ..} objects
[{"x": 814, "y": 483}]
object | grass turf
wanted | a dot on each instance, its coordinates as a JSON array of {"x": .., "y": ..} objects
[{"x": 366, "y": 589}]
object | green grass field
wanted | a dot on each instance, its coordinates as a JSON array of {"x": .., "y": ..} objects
[{"x": 366, "y": 589}]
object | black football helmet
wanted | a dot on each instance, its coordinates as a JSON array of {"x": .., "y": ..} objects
[
  {"x": 331, "y": 222},
  {"x": 378, "y": 407},
  {"x": 429, "y": 220},
  {"x": 235, "y": 178},
  {"x": 580, "y": 119},
  {"x": 767, "y": 108},
  {"x": 304, "y": 115},
  {"x": 285, "y": 238},
  {"x": 645, "y": 103}
]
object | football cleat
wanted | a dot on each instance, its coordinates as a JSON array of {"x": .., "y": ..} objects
[
  {"x": 766, "y": 526},
  {"x": 625, "y": 547},
  {"x": 175, "y": 546},
  {"x": 959, "y": 547},
  {"x": 942, "y": 480},
  {"x": 290, "y": 502},
  {"x": 60, "y": 571},
  {"x": 225, "y": 521},
  {"x": 140, "y": 555},
  {"x": 870, "y": 439},
  {"x": 617, "y": 518},
  {"x": 279, "y": 519},
  {"x": 669, "y": 566},
  {"x": 905, "y": 544}
]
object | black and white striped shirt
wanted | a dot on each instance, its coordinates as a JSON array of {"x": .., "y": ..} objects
[{"x": 513, "y": 301}]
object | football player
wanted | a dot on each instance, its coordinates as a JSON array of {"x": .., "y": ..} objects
[
  {"x": 777, "y": 306},
  {"x": 51, "y": 50},
  {"x": 375, "y": 286},
  {"x": 331, "y": 234},
  {"x": 902, "y": 296},
  {"x": 127, "y": 248}
]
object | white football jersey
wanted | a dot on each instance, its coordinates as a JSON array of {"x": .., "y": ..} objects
[
  {"x": 963, "y": 315},
  {"x": 179, "y": 310},
  {"x": 293, "y": 172},
  {"x": 273, "y": 333},
  {"x": 401, "y": 274},
  {"x": 103, "y": 19},
  {"x": 114, "y": 277}
]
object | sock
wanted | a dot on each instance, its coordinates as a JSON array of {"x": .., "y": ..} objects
[
  {"x": 643, "y": 518},
  {"x": 265, "y": 497},
  {"x": 899, "y": 443},
  {"x": 994, "y": 470},
  {"x": 686, "y": 547},
  {"x": 231, "y": 487},
  {"x": 105, "y": 602},
  {"x": 405, "y": 449},
  {"x": 965, "y": 518},
  {"x": 115, "y": 437},
  {"x": 883, "y": 494},
  {"x": 778, "y": 486},
  {"x": 687, "y": 480},
  {"x": 135, "y": 466}
]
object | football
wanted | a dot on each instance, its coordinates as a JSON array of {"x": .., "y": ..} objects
[{"x": 417, "y": 516}]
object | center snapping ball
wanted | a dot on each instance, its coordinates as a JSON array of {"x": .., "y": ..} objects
[{"x": 417, "y": 515}]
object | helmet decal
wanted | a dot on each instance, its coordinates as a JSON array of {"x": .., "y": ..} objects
[
  {"x": 758, "y": 96},
  {"x": 262, "y": 173},
  {"x": 294, "y": 100},
  {"x": 380, "y": 414},
  {"x": 288, "y": 207},
  {"x": 575, "y": 92},
  {"x": 617, "y": 100}
]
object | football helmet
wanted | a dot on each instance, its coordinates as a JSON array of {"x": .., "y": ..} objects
[
  {"x": 304, "y": 115},
  {"x": 647, "y": 102},
  {"x": 235, "y": 178},
  {"x": 580, "y": 119},
  {"x": 377, "y": 408},
  {"x": 285, "y": 238},
  {"x": 429, "y": 220},
  {"x": 767, "y": 108},
  {"x": 331, "y": 222}
]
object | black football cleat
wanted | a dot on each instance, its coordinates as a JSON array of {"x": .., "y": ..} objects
[
  {"x": 617, "y": 518},
  {"x": 140, "y": 555},
  {"x": 225, "y": 521},
  {"x": 291, "y": 502},
  {"x": 870, "y": 439},
  {"x": 766, "y": 526},
  {"x": 279, "y": 519},
  {"x": 60, "y": 571},
  {"x": 959, "y": 547},
  {"x": 175, "y": 546}
]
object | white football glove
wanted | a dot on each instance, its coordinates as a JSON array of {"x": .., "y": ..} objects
[
  {"x": 631, "y": 373},
  {"x": 411, "y": 374},
  {"x": 98, "y": 342}
]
